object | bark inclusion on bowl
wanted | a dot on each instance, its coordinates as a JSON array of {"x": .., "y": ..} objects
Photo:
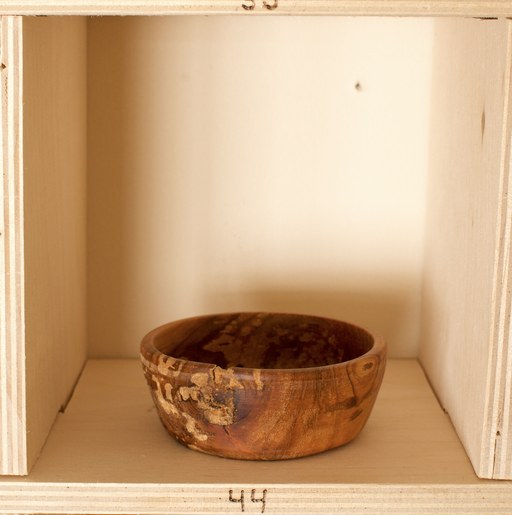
[
  {"x": 216, "y": 409},
  {"x": 211, "y": 395}
]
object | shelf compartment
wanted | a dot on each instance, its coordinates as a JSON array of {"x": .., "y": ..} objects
[
  {"x": 108, "y": 453},
  {"x": 407, "y": 448}
]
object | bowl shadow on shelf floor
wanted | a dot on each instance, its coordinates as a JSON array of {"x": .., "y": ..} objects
[{"x": 110, "y": 433}]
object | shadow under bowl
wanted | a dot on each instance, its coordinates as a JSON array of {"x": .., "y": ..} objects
[{"x": 263, "y": 386}]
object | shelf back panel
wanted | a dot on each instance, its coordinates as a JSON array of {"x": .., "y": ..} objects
[{"x": 256, "y": 164}]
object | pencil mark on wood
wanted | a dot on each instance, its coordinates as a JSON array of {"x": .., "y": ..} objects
[
  {"x": 262, "y": 499},
  {"x": 254, "y": 499},
  {"x": 482, "y": 123},
  {"x": 240, "y": 499},
  {"x": 249, "y": 5},
  {"x": 271, "y": 6}
]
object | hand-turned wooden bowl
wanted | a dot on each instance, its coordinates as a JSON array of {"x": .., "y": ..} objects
[{"x": 263, "y": 386}]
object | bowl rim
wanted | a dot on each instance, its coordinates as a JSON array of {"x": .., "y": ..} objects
[{"x": 147, "y": 347}]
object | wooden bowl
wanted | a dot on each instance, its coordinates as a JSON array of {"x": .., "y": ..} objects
[{"x": 263, "y": 386}]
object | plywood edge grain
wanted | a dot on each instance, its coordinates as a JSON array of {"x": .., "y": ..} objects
[
  {"x": 130, "y": 498},
  {"x": 13, "y": 447},
  {"x": 476, "y": 8},
  {"x": 496, "y": 454}
]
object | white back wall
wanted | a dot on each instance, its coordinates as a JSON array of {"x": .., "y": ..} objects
[{"x": 256, "y": 163}]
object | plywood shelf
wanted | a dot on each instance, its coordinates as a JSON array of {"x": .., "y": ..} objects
[
  {"x": 477, "y": 8},
  {"x": 108, "y": 453}
]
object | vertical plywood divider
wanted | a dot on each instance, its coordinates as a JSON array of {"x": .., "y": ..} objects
[
  {"x": 42, "y": 229},
  {"x": 13, "y": 448},
  {"x": 55, "y": 161},
  {"x": 466, "y": 297}
]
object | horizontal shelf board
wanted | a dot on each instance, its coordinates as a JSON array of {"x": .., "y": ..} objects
[
  {"x": 108, "y": 452},
  {"x": 477, "y": 8},
  {"x": 110, "y": 432},
  {"x": 170, "y": 499}
]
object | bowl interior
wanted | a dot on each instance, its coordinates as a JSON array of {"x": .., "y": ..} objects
[{"x": 263, "y": 340}]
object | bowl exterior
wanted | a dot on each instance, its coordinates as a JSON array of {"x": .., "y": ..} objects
[{"x": 263, "y": 414}]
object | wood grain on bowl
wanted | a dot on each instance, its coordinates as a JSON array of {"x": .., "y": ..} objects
[{"x": 263, "y": 385}]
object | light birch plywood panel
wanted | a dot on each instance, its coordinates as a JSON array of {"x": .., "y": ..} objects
[
  {"x": 108, "y": 453},
  {"x": 256, "y": 164},
  {"x": 110, "y": 433},
  {"x": 13, "y": 447},
  {"x": 54, "y": 139},
  {"x": 176, "y": 499},
  {"x": 290, "y": 499},
  {"x": 477, "y": 8},
  {"x": 466, "y": 297}
]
